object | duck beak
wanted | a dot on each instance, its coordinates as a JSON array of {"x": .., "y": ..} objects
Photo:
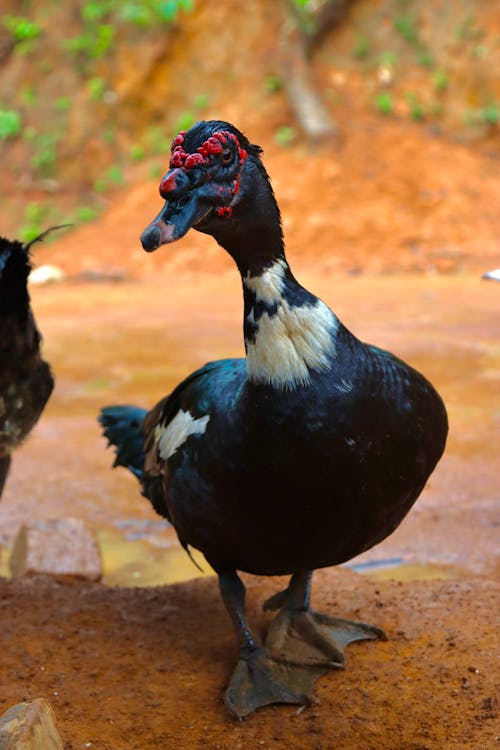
[{"x": 184, "y": 208}]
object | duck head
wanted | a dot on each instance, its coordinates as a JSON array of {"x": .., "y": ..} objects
[{"x": 210, "y": 173}]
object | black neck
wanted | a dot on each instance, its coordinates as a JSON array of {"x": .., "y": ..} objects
[{"x": 252, "y": 235}]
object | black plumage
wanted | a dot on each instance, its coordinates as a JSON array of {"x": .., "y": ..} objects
[
  {"x": 302, "y": 455},
  {"x": 26, "y": 380}
]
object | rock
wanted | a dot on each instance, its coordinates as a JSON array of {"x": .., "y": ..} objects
[
  {"x": 46, "y": 274},
  {"x": 60, "y": 547},
  {"x": 30, "y": 726},
  {"x": 493, "y": 275}
]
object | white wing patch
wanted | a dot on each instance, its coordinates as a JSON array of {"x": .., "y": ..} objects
[
  {"x": 170, "y": 437},
  {"x": 290, "y": 343}
]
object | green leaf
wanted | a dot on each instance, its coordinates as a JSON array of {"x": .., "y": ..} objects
[
  {"x": 21, "y": 28},
  {"x": 10, "y": 123},
  {"x": 384, "y": 103}
]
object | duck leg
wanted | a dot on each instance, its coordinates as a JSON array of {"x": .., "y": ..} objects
[
  {"x": 258, "y": 680},
  {"x": 300, "y": 636}
]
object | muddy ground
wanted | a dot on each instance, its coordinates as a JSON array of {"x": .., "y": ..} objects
[
  {"x": 131, "y": 667},
  {"x": 135, "y": 669}
]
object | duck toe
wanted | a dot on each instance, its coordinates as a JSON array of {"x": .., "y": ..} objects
[
  {"x": 259, "y": 680},
  {"x": 309, "y": 638}
]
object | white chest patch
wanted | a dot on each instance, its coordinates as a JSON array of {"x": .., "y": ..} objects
[
  {"x": 290, "y": 343},
  {"x": 169, "y": 438},
  {"x": 268, "y": 287}
]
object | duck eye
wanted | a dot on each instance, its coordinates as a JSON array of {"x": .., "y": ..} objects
[
  {"x": 182, "y": 201},
  {"x": 226, "y": 156}
]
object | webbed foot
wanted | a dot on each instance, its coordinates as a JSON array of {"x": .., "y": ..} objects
[
  {"x": 259, "y": 680},
  {"x": 301, "y": 645},
  {"x": 308, "y": 638},
  {"x": 276, "y": 601}
]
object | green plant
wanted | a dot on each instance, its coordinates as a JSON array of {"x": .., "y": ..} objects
[
  {"x": 186, "y": 119},
  {"x": 156, "y": 170},
  {"x": 44, "y": 149},
  {"x": 96, "y": 87},
  {"x": 440, "y": 81},
  {"x": 468, "y": 30},
  {"x": 361, "y": 48},
  {"x": 201, "y": 101},
  {"x": 44, "y": 159},
  {"x": 487, "y": 115},
  {"x": 93, "y": 43},
  {"x": 389, "y": 58},
  {"x": 62, "y": 103},
  {"x": 28, "y": 96},
  {"x": 490, "y": 114},
  {"x": 95, "y": 11},
  {"x": 35, "y": 215},
  {"x": 108, "y": 135},
  {"x": 168, "y": 10},
  {"x": 425, "y": 57},
  {"x": 156, "y": 141},
  {"x": 407, "y": 28},
  {"x": 85, "y": 213},
  {"x": 416, "y": 108},
  {"x": 285, "y": 135},
  {"x": 114, "y": 173},
  {"x": 10, "y": 123},
  {"x": 480, "y": 51},
  {"x": 273, "y": 83},
  {"x": 30, "y": 134},
  {"x": 384, "y": 102},
  {"x": 436, "y": 109},
  {"x": 112, "y": 176},
  {"x": 136, "y": 13},
  {"x": 137, "y": 152},
  {"x": 146, "y": 12},
  {"x": 21, "y": 29}
]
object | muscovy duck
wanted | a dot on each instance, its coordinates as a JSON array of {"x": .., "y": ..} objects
[
  {"x": 26, "y": 380},
  {"x": 307, "y": 452}
]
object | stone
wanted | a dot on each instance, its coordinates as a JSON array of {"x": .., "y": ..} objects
[
  {"x": 58, "y": 547},
  {"x": 30, "y": 726}
]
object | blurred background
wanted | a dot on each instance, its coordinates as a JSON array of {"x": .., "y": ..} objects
[
  {"x": 380, "y": 127},
  {"x": 406, "y": 93}
]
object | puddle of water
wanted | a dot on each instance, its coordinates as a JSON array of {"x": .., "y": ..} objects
[
  {"x": 405, "y": 571},
  {"x": 138, "y": 562},
  {"x": 133, "y": 348},
  {"x": 129, "y": 562},
  {"x": 4, "y": 562}
]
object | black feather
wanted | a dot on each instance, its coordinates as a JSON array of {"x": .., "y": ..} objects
[
  {"x": 26, "y": 380},
  {"x": 122, "y": 428}
]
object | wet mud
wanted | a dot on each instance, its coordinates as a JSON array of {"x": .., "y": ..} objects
[{"x": 133, "y": 668}]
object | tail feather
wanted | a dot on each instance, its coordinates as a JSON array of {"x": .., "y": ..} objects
[{"x": 122, "y": 427}]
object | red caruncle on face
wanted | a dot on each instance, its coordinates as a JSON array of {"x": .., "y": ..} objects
[{"x": 180, "y": 159}]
